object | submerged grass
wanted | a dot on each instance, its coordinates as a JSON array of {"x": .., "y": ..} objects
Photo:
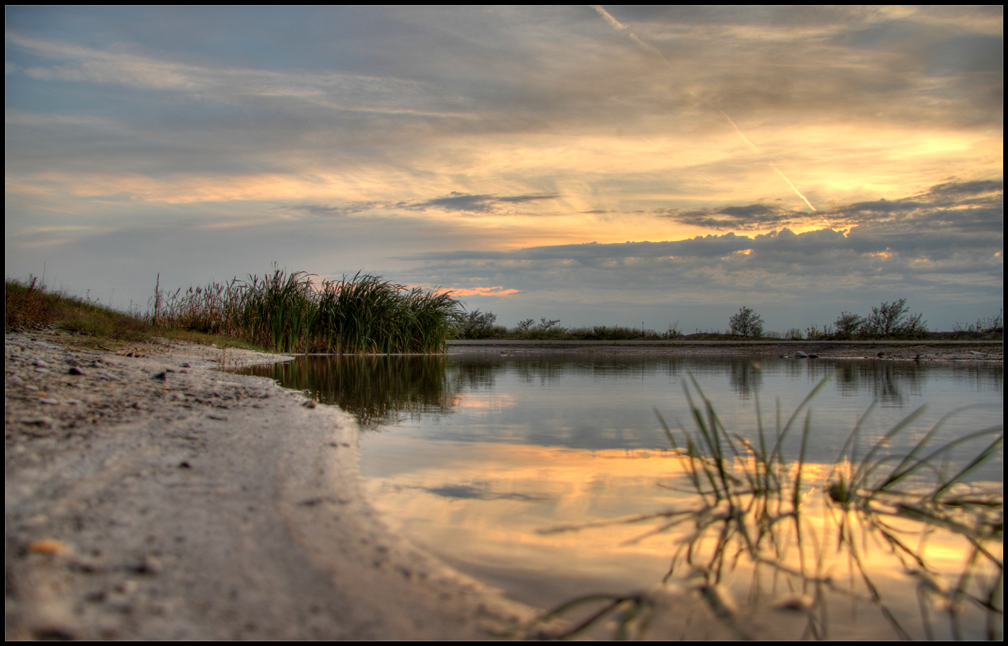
[
  {"x": 290, "y": 313},
  {"x": 754, "y": 508}
]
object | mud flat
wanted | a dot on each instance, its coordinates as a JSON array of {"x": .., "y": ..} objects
[{"x": 151, "y": 497}]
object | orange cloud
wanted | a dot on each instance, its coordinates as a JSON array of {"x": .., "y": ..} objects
[{"x": 482, "y": 291}]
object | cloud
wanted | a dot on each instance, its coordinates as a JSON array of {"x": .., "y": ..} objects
[
  {"x": 938, "y": 253},
  {"x": 737, "y": 218},
  {"x": 497, "y": 290},
  {"x": 325, "y": 210},
  {"x": 456, "y": 201},
  {"x": 962, "y": 204}
]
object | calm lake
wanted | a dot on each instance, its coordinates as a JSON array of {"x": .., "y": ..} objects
[{"x": 473, "y": 455}]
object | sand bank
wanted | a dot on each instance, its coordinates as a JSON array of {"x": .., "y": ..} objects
[{"x": 151, "y": 497}]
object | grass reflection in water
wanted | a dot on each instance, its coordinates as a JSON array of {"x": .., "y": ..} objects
[
  {"x": 377, "y": 389},
  {"x": 805, "y": 535}
]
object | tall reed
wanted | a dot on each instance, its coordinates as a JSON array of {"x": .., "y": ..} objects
[{"x": 290, "y": 313}]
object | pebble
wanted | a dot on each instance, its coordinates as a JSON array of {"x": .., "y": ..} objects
[
  {"x": 75, "y": 371},
  {"x": 150, "y": 565},
  {"x": 47, "y": 546},
  {"x": 108, "y": 377},
  {"x": 48, "y": 400},
  {"x": 44, "y": 422},
  {"x": 39, "y": 363}
]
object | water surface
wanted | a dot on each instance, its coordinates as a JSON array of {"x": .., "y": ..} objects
[{"x": 472, "y": 455}]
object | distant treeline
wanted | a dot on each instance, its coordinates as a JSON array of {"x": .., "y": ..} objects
[
  {"x": 887, "y": 321},
  {"x": 368, "y": 314}
]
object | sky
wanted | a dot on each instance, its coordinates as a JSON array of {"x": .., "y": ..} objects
[{"x": 601, "y": 166}]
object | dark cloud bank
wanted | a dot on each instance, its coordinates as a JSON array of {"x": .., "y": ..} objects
[{"x": 943, "y": 246}]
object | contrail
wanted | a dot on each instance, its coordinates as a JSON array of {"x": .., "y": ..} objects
[
  {"x": 777, "y": 170},
  {"x": 744, "y": 138},
  {"x": 617, "y": 25}
]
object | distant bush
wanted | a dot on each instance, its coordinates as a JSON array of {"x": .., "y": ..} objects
[
  {"x": 891, "y": 321},
  {"x": 847, "y": 326},
  {"x": 478, "y": 325},
  {"x": 746, "y": 323}
]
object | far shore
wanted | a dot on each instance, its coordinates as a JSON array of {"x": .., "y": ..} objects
[{"x": 920, "y": 350}]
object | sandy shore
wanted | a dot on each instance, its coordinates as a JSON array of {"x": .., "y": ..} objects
[{"x": 150, "y": 496}]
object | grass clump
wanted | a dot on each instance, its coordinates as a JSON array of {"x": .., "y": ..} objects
[
  {"x": 291, "y": 313},
  {"x": 783, "y": 522}
]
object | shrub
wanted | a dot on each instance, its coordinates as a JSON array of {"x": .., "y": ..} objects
[
  {"x": 478, "y": 325},
  {"x": 746, "y": 323},
  {"x": 847, "y": 325},
  {"x": 890, "y": 320}
]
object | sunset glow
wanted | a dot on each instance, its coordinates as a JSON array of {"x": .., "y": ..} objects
[{"x": 853, "y": 156}]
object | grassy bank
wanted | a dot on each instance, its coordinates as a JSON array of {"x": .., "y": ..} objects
[
  {"x": 30, "y": 306},
  {"x": 279, "y": 312}
]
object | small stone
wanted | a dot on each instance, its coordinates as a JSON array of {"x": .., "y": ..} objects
[
  {"x": 163, "y": 376},
  {"x": 44, "y": 371},
  {"x": 126, "y": 587},
  {"x": 75, "y": 371},
  {"x": 48, "y": 400},
  {"x": 184, "y": 464},
  {"x": 150, "y": 565},
  {"x": 39, "y": 363},
  {"x": 106, "y": 376},
  {"x": 309, "y": 404},
  {"x": 47, "y": 546},
  {"x": 185, "y": 365},
  {"x": 44, "y": 422},
  {"x": 801, "y": 355},
  {"x": 794, "y": 603},
  {"x": 31, "y": 387}
]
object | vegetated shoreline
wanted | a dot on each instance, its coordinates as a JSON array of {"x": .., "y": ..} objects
[
  {"x": 891, "y": 350},
  {"x": 148, "y": 498}
]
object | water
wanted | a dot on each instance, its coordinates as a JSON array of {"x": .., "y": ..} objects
[{"x": 472, "y": 456}]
